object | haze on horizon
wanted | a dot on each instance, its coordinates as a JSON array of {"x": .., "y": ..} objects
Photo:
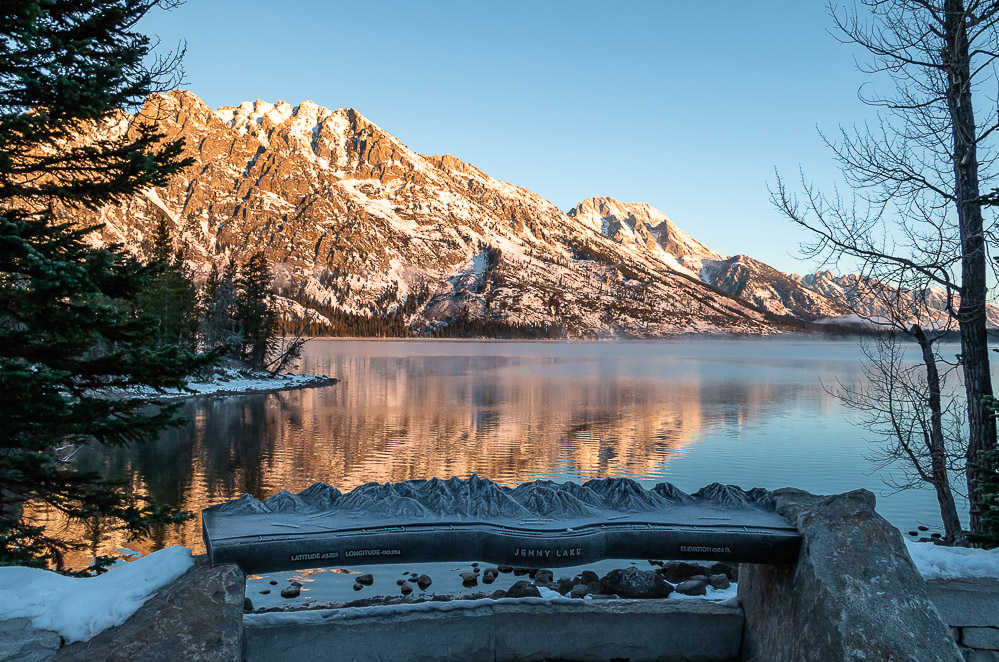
[{"x": 651, "y": 102}]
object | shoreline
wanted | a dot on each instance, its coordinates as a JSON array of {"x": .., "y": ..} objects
[{"x": 256, "y": 384}]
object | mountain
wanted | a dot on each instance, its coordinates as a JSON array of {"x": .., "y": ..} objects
[
  {"x": 357, "y": 226},
  {"x": 644, "y": 229},
  {"x": 353, "y": 221},
  {"x": 869, "y": 299}
]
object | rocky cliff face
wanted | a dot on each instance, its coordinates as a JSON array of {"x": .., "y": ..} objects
[
  {"x": 354, "y": 222},
  {"x": 767, "y": 288}
]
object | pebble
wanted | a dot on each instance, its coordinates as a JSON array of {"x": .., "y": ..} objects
[
  {"x": 400, "y": 582},
  {"x": 266, "y": 591},
  {"x": 365, "y": 580},
  {"x": 692, "y": 587},
  {"x": 719, "y": 581},
  {"x": 913, "y": 533},
  {"x": 724, "y": 568},
  {"x": 923, "y": 528},
  {"x": 274, "y": 582},
  {"x": 357, "y": 587},
  {"x": 523, "y": 589}
]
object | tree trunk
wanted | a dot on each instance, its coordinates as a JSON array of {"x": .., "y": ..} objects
[
  {"x": 953, "y": 534},
  {"x": 971, "y": 315}
]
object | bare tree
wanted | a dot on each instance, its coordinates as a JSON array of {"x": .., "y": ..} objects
[{"x": 915, "y": 217}]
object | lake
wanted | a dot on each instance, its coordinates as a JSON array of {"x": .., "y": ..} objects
[{"x": 750, "y": 412}]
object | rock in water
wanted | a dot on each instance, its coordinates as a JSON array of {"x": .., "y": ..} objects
[
  {"x": 579, "y": 591},
  {"x": 357, "y": 587},
  {"x": 489, "y": 576},
  {"x": 544, "y": 576},
  {"x": 365, "y": 580},
  {"x": 635, "y": 583},
  {"x": 724, "y": 568},
  {"x": 247, "y": 604},
  {"x": 424, "y": 582},
  {"x": 469, "y": 579},
  {"x": 718, "y": 582},
  {"x": 198, "y": 616},
  {"x": 523, "y": 589},
  {"x": 679, "y": 571},
  {"x": 406, "y": 588},
  {"x": 505, "y": 568},
  {"x": 854, "y": 593},
  {"x": 291, "y": 592},
  {"x": 692, "y": 587}
]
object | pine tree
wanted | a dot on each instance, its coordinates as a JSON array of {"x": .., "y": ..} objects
[
  {"x": 70, "y": 327},
  {"x": 170, "y": 298},
  {"x": 255, "y": 312}
]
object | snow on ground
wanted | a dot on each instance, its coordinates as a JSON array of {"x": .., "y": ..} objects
[
  {"x": 937, "y": 561},
  {"x": 234, "y": 382},
  {"x": 80, "y": 608}
]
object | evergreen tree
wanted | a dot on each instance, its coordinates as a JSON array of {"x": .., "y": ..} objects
[
  {"x": 70, "y": 328},
  {"x": 170, "y": 298},
  {"x": 255, "y": 312}
]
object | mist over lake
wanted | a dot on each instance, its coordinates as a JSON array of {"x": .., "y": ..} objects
[{"x": 749, "y": 412}]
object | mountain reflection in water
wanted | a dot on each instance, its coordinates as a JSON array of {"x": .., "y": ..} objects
[{"x": 749, "y": 412}]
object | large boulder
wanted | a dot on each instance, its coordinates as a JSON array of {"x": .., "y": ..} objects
[
  {"x": 634, "y": 583},
  {"x": 21, "y": 641},
  {"x": 198, "y": 616},
  {"x": 853, "y": 595}
]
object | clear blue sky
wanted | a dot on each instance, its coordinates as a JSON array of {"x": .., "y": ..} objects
[{"x": 688, "y": 106}]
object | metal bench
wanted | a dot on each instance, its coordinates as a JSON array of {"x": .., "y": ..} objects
[{"x": 536, "y": 524}]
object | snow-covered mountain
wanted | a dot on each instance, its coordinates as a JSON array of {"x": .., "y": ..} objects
[
  {"x": 644, "y": 229},
  {"x": 353, "y": 222}
]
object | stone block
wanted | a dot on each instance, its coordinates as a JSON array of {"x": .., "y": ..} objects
[
  {"x": 464, "y": 634},
  {"x": 198, "y": 616},
  {"x": 969, "y": 601},
  {"x": 972, "y": 655},
  {"x": 24, "y": 643},
  {"x": 854, "y": 593},
  {"x": 584, "y": 631},
  {"x": 975, "y": 637},
  {"x": 635, "y": 630}
]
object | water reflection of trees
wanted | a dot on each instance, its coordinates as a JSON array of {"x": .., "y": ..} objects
[{"x": 394, "y": 420}]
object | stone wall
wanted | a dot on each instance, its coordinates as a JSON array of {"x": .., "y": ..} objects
[
  {"x": 971, "y": 608},
  {"x": 583, "y": 631}
]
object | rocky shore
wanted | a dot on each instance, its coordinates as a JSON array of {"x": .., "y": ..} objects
[{"x": 665, "y": 579}]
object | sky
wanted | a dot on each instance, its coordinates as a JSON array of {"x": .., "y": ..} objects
[{"x": 688, "y": 106}]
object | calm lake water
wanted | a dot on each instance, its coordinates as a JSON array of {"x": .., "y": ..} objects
[{"x": 750, "y": 412}]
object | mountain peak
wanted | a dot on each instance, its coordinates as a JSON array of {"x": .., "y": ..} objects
[{"x": 640, "y": 225}]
